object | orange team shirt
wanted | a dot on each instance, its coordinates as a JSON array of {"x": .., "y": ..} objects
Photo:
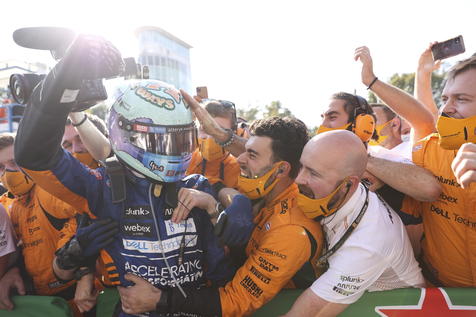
[
  {"x": 225, "y": 171},
  {"x": 449, "y": 223},
  {"x": 38, "y": 219},
  {"x": 280, "y": 254}
]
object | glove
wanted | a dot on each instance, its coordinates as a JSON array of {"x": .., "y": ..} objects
[
  {"x": 235, "y": 224},
  {"x": 83, "y": 248},
  {"x": 92, "y": 57}
]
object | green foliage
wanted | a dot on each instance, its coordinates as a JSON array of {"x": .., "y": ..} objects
[
  {"x": 248, "y": 114},
  {"x": 406, "y": 82},
  {"x": 275, "y": 109}
]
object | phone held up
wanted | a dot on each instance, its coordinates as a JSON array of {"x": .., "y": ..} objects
[
  {"x": 449, "y": 48},
  {"x": 202, "y": 92}
]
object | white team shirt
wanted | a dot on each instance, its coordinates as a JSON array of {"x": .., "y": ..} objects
[
  {"x": 7, "y": 240},
  {"x": 404, "y": 149},
  {"x": 377, "y": 255}
]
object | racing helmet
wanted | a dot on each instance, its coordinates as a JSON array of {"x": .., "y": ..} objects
[{"x": 151, "y": 130}]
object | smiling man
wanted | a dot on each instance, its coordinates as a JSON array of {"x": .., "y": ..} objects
[
  {"x": 284, "y": 245},
  {"x": 368, "y": 248},
  {"x": 449, "y": 244}
]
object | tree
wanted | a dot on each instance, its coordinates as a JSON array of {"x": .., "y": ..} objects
[
  {"x": 275, "y": 109},
  {"x": 406, "y": 82},
  {"x": 248, "y": 114}
]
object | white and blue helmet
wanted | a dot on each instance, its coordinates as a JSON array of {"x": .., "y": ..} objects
[{"x": 151, "y": 130}]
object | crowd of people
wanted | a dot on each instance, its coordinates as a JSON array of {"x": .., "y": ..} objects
[{"x": 188, "y": 211}]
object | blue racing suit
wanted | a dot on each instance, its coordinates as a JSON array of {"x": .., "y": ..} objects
[{"x": 190, "y": 247}]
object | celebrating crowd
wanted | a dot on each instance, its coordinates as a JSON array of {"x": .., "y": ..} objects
[{"x": 189, "y": 213}]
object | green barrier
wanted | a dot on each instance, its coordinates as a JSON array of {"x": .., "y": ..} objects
[
  {"x": 38, "y": 306},
  {"x": 434, "y": 302}
]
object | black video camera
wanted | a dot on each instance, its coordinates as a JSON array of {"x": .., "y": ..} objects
[{"x": 57, "y": 41}]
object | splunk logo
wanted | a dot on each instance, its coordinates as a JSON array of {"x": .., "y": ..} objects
[
  {"x": 137, "y": 229},
  {"x": 447, "y": 181},
  {"x": 135, "y": 212}
]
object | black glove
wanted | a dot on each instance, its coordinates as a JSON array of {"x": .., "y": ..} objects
[
  {"x": 92, "y": 57},
  {"x": 83, "y": 248}
]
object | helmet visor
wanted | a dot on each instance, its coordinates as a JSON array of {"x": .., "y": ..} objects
[{"x": 162, "y": 140}]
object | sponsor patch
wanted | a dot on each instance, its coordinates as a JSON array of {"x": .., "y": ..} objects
[
  {"x": 268, "y": 266},
  {"x": 260, "y": 275},
  {"x": 136, "y": 212},
  {"x": 184, "y": 226},
  {"x": 137, "y": 229},
  {"x": 250, "y": 286},
  {"x": 168, "y": 245}
]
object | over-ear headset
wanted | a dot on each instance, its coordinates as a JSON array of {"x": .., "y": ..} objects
[{"x": 364, "y": 123}]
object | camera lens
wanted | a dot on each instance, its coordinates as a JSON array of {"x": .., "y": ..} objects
[{"x": 17, "y": 88}]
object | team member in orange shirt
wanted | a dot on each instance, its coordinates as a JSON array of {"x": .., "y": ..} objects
[
  {"x": 210, "y": 158},
  {"x": 449, "y": 224}
]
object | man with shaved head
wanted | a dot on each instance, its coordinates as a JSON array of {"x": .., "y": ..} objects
[{"x": 367, "y": 246}]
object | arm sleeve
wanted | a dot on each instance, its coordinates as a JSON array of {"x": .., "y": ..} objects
[
  {"x": 270, "y": 266},
  {"x": 349, "y": 275}
]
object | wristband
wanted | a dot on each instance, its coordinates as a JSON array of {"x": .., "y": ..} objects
[
  {"x": 231, "y": 138},
  {"x": 80, "y": 122},
  {"x": 373, "y": 82}
]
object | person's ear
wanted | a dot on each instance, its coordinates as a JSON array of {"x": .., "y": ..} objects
[{"x": 284, "y": 169}]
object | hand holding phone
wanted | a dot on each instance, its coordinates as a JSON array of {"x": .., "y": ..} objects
[
  {"x": 449, "y": 48},
  {"x": 202, "y": 92}
]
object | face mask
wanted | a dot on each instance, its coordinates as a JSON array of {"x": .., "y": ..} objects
[
  {"x": 455, "y": 132},
  {"x": 258, "y": 187},
  {"x": 210, "y": 150},
  {"x": 325, "y": 129},
  {"x": 381, "y": 138},
  {"x": 405, "y": 137},
  {"x": 87, "y": 159},
  {"x": 313, "y": 208},
  {"x": 16, "y": 182}
]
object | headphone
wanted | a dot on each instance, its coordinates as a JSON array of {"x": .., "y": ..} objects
[{"x": 364, "y": 123}]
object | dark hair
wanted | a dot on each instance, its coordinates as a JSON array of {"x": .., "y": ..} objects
[
  {"x": 222, "y": 109},
  {"x": 6, "y": 139},
  {"x": 288, "y": 135},
  {"x": 98, "y": 122},
  {"x": 389, "y": 114},
  {"x": 354, "y": 105},
  {"x": 462, "y": 66}
]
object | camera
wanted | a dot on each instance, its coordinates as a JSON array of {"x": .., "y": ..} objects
[{"x": 57, "y": 41}]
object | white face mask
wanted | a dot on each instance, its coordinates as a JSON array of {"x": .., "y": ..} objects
[{"x": 405, "y": 137}]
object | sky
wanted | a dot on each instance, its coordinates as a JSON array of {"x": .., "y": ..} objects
[{"x": 255, "y": 52}]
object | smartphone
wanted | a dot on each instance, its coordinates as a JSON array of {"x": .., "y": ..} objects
[
  {"x": 449, "y": 48},
  {"x": 202, "y": 92}
]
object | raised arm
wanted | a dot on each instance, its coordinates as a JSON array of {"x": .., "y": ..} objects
[
  {"x": 95, "y": 142},
  {"x": 421, "y": 120},
  {"x": 423, "y": 91},
  {"x": 212, "y": 128}
]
